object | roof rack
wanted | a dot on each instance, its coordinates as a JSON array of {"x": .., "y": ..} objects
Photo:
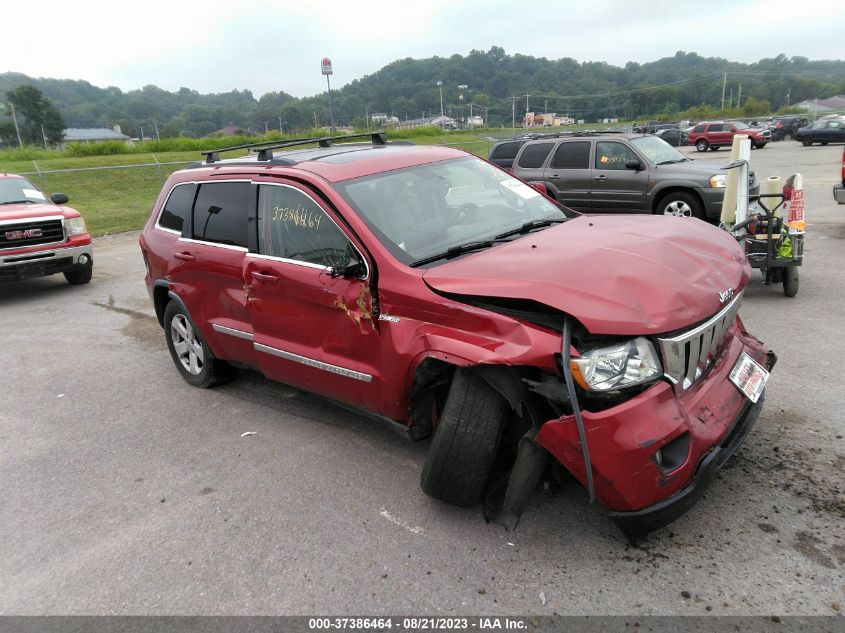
[
  {"x": 265, "y": 148},
  {"x": 575, "y": 133}
]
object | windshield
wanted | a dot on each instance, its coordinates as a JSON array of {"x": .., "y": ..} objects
[
  {"x": 19, "y": 191},
  {"x": 739, "y": 125},
  {"x": 657, "y": 151},
  {"x": 425, "y": 210}
]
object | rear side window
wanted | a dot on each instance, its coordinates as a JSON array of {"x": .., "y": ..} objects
[
  {"x": 534, "y": 154},
  {"x": 698, "y": 128},
  {"x": 293, "y": 226},
  {"x": 719, "y": 127},
  {"x": 572, "y": 155},
  {"x": 506, "y": 150},
  {"x": 221, "y": 213},
  {"x": 177, "y": 209}
]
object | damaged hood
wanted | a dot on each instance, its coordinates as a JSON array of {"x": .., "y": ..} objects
[{"x": 625, "y": 275}]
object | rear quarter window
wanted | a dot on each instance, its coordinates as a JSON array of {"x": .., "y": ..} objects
[
  {"x": 534, "y": 154},
  {"x": 699, "y": 128},
  {"x": 177, "y": 209}
]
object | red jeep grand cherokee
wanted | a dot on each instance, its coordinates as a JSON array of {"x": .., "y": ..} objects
[
  {"x": 39, "y": 237},
  {"x": 440, "y": 295}
]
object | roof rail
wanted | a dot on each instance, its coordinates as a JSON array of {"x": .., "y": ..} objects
[{"x": 265, "y": 148}]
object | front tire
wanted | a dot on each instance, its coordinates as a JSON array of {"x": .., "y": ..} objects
[
  {"x": 465, "y": 442},
  {"x": 680, "y": 204},
  {"x": 806, "y": 142},
  {"x": 81, "y": 275},
  {"x": 701, "y": 145},
  {"x": 191, "y": 354}
]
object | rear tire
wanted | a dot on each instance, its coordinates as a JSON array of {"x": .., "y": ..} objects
[
  {"x": 191, "y": 354},
  {"x": 787, "y": 136},
  {"x": 790, "y": 281},
  {"x": 701, "y": 145},
  {"x": 465, "y": 442},
  {"x": 806, "y": 142}
]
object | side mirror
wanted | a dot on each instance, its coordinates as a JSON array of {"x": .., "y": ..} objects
[
  {"x": 353, "y": 268},
  {"x": 59, "y": 198},
  {"x": 633, "y": 164},
  {"x": 541, "y": 187}
]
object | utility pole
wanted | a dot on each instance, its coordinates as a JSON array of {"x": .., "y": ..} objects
[
  {"x": 731, "y": 99},
  {"x": 17, "y": 129},
  {"x": 280, "y": 126},
  {"x": 724, "y": 83},
  {"x": 367, "y": 116},
  {"x": 44, "y": 136},
  {"x": 787, "y": 97},
  {"x": 155, "y": 124},
  {"x": 440, "y": 85},
  {"x": 739, "y": 96},
  {"x": 513, "y": 117}
]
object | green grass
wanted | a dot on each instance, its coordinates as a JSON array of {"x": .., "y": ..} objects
[{"x": 113, "y": 200}]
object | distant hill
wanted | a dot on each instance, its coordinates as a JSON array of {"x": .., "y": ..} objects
[{"x": 496, "y": 85}]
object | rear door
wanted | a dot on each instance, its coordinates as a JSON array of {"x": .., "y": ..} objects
[
  {"x": 312, "y": 329},
  {"x": 206, "y": 268},
  {"x": 569, "y": 176},
  {"x": 617, "y": 189},
  {"x": 720, "y": 134}
]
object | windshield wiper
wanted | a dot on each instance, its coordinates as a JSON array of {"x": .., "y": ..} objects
[
  {"x": 460, "y": 249},
  {"x": 18, "y": 202},
  {"x": 530, "y": 226}
]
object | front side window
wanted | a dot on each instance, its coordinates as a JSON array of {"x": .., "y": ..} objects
[
  {"x": 177, "y": 209},
  {"x": 534, "y": 155},
  {"x": 221, "y": 213},
  {"x": 572, "y": 155},
  {"x": 612, "y": 155},
  {"x": 293, "y": 226}
]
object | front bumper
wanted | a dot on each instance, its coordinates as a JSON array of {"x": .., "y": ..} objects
[
  {"x": 710, "y": 419},
  {"x": 43, "y": 262}
]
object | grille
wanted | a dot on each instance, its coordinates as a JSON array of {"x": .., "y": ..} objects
[
  {"x": 16, "y": 234},
  {"x": 686, "y": 356}
]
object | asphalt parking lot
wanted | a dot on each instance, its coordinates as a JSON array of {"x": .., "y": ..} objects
[{"x": 127, "y": 491}]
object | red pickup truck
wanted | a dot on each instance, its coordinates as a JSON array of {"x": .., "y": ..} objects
[{"x": 40, "y": 237}]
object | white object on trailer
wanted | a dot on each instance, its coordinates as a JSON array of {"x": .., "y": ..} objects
[{"x": 735, "y": 202}]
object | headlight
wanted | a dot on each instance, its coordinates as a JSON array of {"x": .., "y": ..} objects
[
  {"x": 75, "y": 226},
  {"x": 719, "y": 180},
  {"x": 625, "y": 365}
]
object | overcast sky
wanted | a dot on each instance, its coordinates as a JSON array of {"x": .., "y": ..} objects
[{"x": 267, "y": 45}]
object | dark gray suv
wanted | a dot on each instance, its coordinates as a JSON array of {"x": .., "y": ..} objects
[{"x": 624, "y": 173}]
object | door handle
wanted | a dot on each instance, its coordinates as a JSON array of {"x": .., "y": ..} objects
[
  {"x": 184, "y": 256},
  {"x": 602, "y": 177},
  {"x": 267, "y": 278},
  {"x": 554, "y": 176}
]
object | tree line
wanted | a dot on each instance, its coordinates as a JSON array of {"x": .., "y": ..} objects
[{"x": 498, "y": 86}]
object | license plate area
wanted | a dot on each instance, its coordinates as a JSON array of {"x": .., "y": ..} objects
[{"x": 749, "y": 376}]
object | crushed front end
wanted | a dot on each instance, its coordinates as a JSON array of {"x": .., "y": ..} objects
[{"x": 654, "y": 448}]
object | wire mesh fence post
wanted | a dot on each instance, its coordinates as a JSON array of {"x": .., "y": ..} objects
[
  {"x": 158, "y": 169},
  {"x": 40, "y": 176}
]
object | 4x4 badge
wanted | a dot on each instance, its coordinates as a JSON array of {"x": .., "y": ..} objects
[{"x": 727, "y": 295}]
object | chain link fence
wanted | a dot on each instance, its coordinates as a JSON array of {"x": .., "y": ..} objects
[{"x": 119, "y": 197}]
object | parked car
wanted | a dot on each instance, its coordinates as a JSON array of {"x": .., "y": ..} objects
[
  {"x": 839, "y": 190},
  {"x": 40, "y": 237},
  {"x": 673, "y": 136},
  {"x": 445, "y": 297},
  {"x": 715, "y": 134},
  {"x": 824, "y": 131},
  {"x": 624, "y": 173},
  {"x": 503, "y": 152},
  {"x": 785, "y": 127}
]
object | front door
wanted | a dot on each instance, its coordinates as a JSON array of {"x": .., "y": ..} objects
[
  {"x": 616, "y": 188},
  {"x": 312, "y": 329}
]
